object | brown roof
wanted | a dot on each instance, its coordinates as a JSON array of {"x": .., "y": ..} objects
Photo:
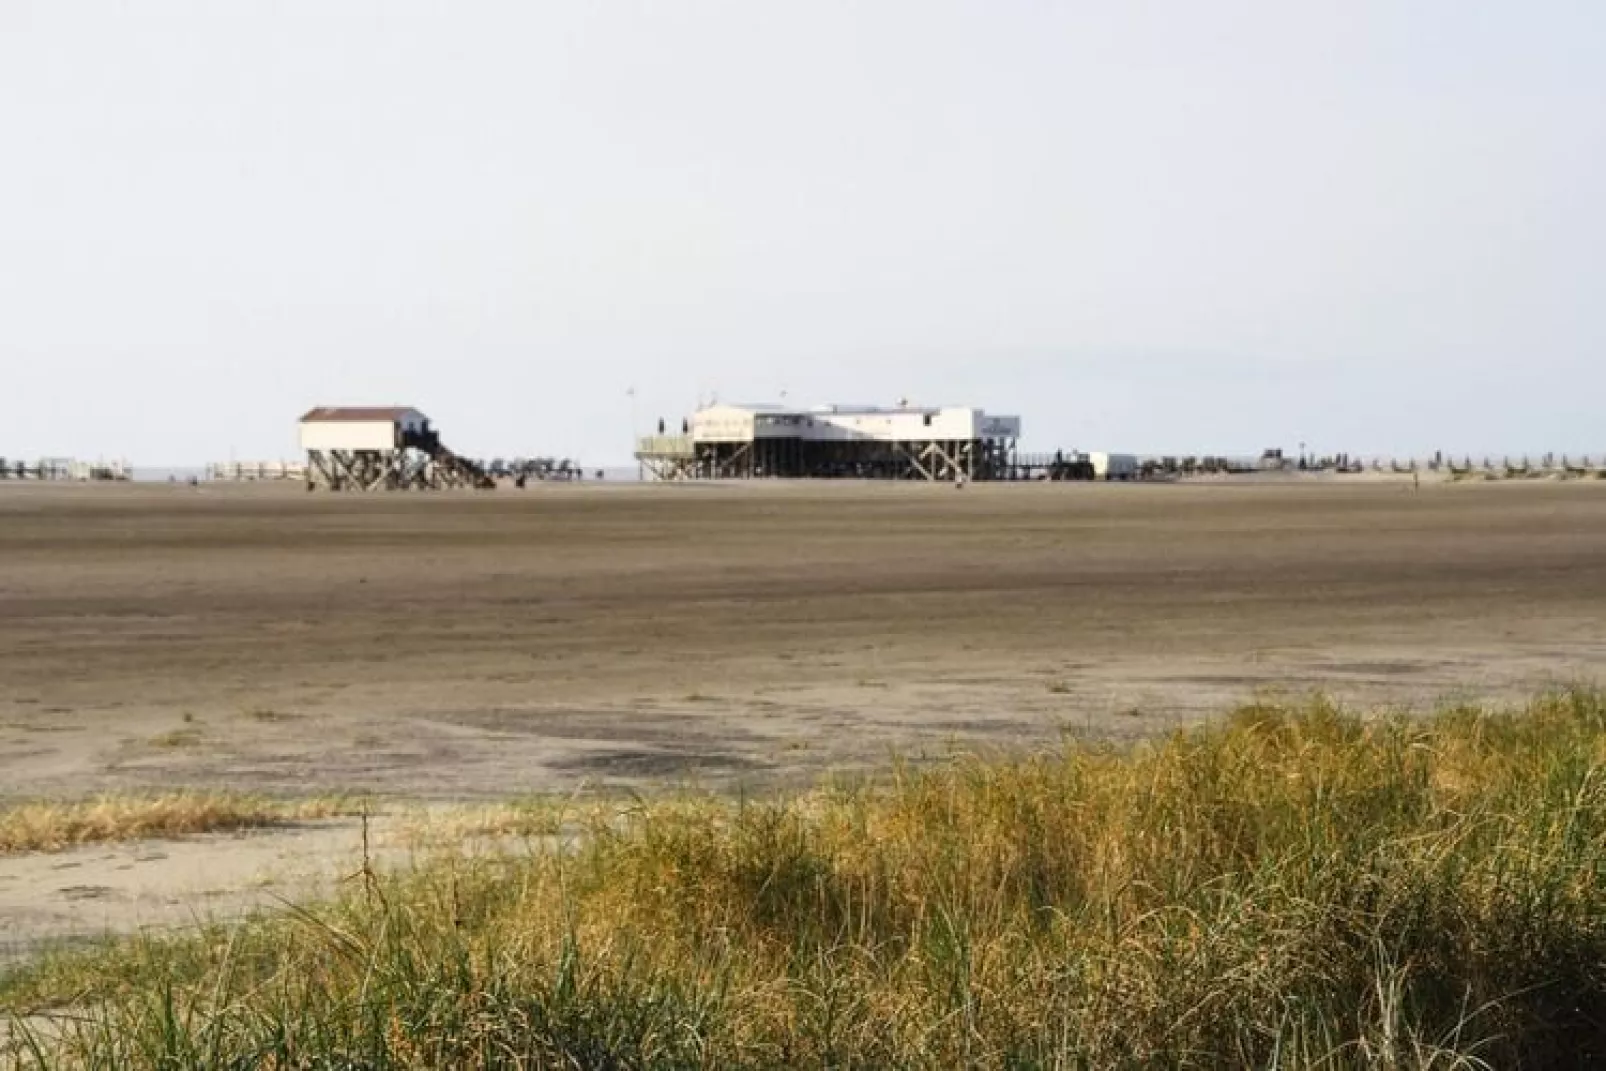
[{"x": 351, "y": 414}]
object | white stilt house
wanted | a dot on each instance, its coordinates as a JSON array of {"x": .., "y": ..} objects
[
  {"x": 866, "y": 442},
  {"x": 380, "y": 449}
]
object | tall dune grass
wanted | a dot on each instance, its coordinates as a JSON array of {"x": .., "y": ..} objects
[{"x": 1289, "y": 887}]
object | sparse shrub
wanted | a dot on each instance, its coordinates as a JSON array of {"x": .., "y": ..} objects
[
  {"x": 177, "y": 738},
  {"x": 49, "y": 826}
]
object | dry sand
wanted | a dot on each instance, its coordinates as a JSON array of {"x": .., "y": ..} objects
[
  {"x": 454, "y": 646},
  {"x": 160, "y": 884}
]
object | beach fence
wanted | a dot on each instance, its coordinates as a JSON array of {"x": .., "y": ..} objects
[
  {"x": 1505, "y": 467},
  {"x": 64, "y": 470},
  {"x": 253, "y": 471}
]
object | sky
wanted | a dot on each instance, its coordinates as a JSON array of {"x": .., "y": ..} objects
[{"x": 1373, "y": 227}]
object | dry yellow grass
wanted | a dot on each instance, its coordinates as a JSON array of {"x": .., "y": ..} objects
[
  {"x": 1289, "y": 887},
  {"x": 44, "y": 826},
  {"x": 453, "y": 829}
]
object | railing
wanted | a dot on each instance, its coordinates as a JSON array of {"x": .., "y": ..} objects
[
  {"x": 252, "y": 471},
  {"x": 665, "y": 446}
]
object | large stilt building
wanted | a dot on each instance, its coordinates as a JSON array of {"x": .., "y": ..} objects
[
  {"x": 865, "y": 442},
  {"x": 381, "y": 449}
]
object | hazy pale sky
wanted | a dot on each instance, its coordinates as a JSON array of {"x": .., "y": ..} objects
[{"x": 1199, "y": 227}]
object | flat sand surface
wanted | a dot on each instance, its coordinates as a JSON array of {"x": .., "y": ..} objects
[
  {"x": 447, "y": 647},
  {"x": 260, "y": 638}
]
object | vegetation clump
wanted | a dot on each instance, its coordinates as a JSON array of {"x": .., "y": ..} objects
[
  {"x": 1286, "y": 887},
  {"x": 42, "y": 826}
]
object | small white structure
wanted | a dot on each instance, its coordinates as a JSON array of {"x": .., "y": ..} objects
[
  {"x": 1108, "y": 466},
  {"x": 380, "y": 448},
  {"x": 87, "y": 471},
  {"x": 350, "y": 428}
]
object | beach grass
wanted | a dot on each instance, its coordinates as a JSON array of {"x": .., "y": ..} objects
[{"x": 1290, "y": 885}]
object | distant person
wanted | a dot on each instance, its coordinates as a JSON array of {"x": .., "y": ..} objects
[
  {"x": 685, "y": 427},
  {"x": 660, "y": 425}
]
